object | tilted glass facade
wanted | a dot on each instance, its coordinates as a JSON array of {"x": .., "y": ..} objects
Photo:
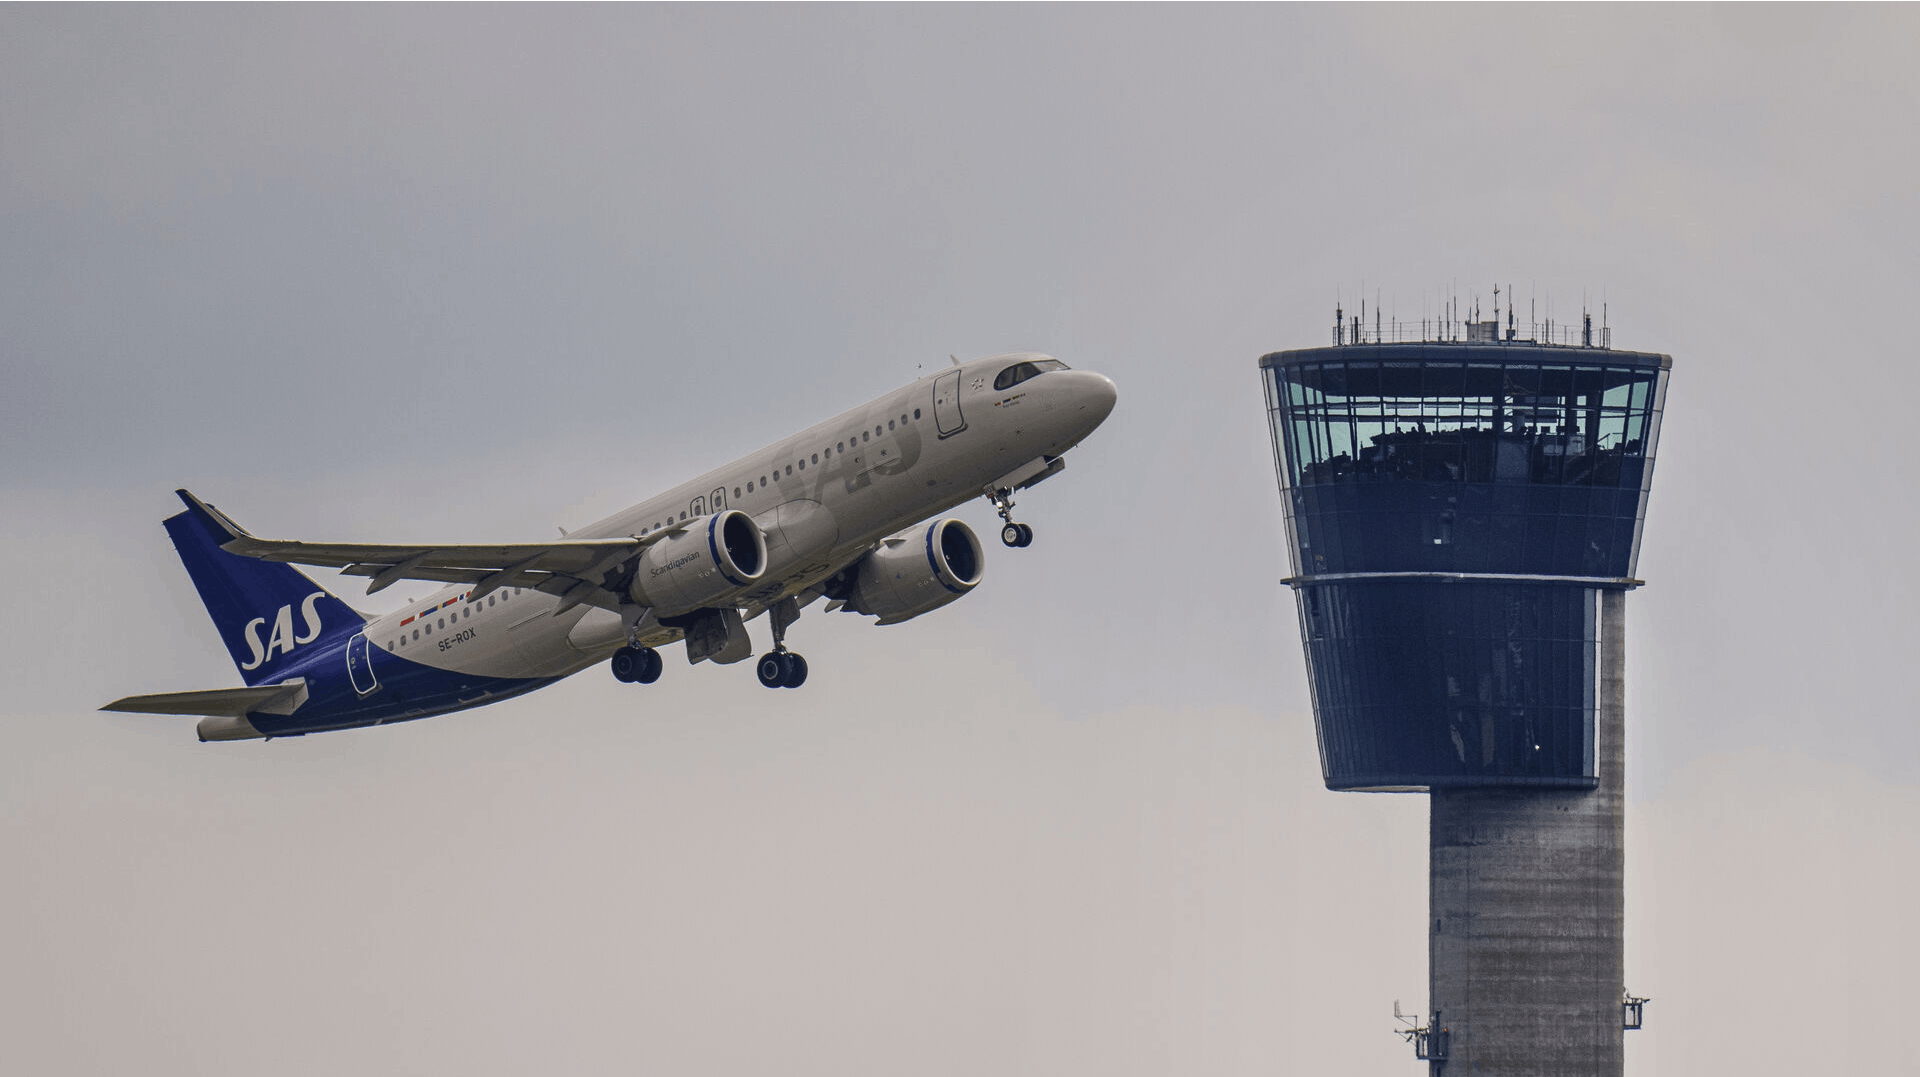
[
  {"x": 1419, "y": 684},
  {"x": 1452, "y": 511},
  {"x": 1464, "y": 458}
]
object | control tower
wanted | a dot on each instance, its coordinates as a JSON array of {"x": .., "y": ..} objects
[{"x": 1463, "y": 512}]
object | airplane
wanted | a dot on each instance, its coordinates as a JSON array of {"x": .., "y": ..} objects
[{"x": 850, "y": 511}]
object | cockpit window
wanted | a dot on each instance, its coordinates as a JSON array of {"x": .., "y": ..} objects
[{"x": 1020, "y": 372}]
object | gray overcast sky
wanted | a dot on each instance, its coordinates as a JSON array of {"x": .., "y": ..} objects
[{"x": 404, "y": 273}]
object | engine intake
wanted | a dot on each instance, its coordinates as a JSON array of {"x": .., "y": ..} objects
[
  {"x": 916, "y": 571},
  {"x": 700, "y": 564}
]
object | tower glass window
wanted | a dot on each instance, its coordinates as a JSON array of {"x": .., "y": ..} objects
[{"x": 1495, "y": 458}]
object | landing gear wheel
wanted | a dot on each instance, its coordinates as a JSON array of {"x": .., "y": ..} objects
[
  {"x": 782, "y": 669},
  {"x": 1012, "y": 534},
  {"x": 637, "y": 665},
  {"x": 627, "y": 664}
]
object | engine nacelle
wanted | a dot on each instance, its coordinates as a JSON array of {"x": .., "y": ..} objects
[
  {"x": 700, "y": 565},
  {"x": 917, "y": 571}
]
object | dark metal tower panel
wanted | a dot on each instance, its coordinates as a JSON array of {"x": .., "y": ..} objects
[{"x": 1454, "y": 512}]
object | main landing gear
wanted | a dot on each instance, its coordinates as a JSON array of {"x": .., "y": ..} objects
[
  {"x": 1012, "y": 534},
  {"x": 637, "y": 665},
  {"x": 781, "y": 668}
]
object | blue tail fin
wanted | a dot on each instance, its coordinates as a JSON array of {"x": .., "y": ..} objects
[{"x": 270, "y": 615}]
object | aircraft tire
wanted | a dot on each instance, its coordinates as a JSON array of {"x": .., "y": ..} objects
[
  {"x": 772, "y": 669},
  {"x": 1026, "y": 535},
  {"x": 650, "y": 667},
  {"x": 1012, "y": 533},
  {"x": 627, "y": 665},
  {"x": 796, "y": 672}
]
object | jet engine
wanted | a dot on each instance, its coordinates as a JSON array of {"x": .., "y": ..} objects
[
  {"x": 916, "y": 571},
  {"x": 700, "y": 563}
]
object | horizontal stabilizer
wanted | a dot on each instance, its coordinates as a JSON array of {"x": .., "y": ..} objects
[{"x": 220, "y": 702}]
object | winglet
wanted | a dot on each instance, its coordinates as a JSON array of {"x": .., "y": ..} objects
[{"x": 223, "y": 528}]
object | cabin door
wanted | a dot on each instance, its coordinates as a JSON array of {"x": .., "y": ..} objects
[
  {"x": 946, "y": 404},
  {"x": 360, "y": 665}
]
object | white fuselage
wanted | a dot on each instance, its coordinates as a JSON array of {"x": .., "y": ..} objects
[{"x": 822, "y": 498}]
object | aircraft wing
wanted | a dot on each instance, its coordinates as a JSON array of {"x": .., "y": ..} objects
[
  {"x": 220, "y": 702},
  {"x": 579, "y": 571}
]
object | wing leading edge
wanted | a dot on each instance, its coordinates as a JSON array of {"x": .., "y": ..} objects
[{"x": 578, "y": 571}]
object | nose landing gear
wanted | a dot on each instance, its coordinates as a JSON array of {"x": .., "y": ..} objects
[
  {"x": 1011, "y": 534},
  {"x": 781, "y": 668}
]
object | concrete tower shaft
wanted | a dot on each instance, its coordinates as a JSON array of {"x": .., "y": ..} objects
[{"x": 1526, "y": 896}]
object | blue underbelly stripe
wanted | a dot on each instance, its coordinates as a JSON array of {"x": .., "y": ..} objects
[{"x": 408, "y": 690}]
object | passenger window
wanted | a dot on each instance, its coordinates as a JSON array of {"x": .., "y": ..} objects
[
  {"x": 736, "y": 490},
  {"x": 683, "y": 516},
  {"x": 416, "y": 633},
  {"x": 916, "y": 413},
  {"x": 863, "y": 435},
  {"x": 816, "y": 458},
  {"x": 842, "y": 446},
  {"x": 903, "y": 420},
  {"x": 803, "y": 463},
  {"x": 876, "y": 431},
  {"x": 889, "y": 424},
  {"x": 789, "y": 469}
]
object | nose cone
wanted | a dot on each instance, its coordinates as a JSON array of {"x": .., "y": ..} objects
[{"x": 1094, "y": 395}]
